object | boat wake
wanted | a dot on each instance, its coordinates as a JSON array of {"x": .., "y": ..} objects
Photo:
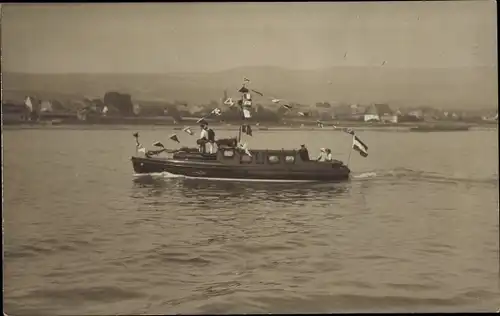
[{"x": 419, "y": 175}]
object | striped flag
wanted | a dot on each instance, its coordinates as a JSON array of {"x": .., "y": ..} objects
[
  {"x": 188, "y": 130},
  {"x": 359, "y": 146},
  {"x": 216, "y": 111}
]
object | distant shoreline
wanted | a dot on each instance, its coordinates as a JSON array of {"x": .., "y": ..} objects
[{"x": 401, "y": 127}]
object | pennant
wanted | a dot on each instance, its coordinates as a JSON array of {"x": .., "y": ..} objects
[
  {"x": 246, "y": 129},
  {"x": 259, "y": 93},
  {"x": 188, "y": 130},
  {"x": 243, "y": 90},
  {"x": 246, "y": 114},
  {"x": 158, "y": 144},
  {"x": 229, "y": 102},
  {"x": 287, "y": 106},
  {"x": 174, "y": 138},
  {"x": 216, "y": 111},
  {"x": 303, "y": 113},
  {"x": 359, "y": 146},
  {"x": 136, "y": 134},
  {"x": 348, "y": 131},
  {"x": 245, "y": 149}
]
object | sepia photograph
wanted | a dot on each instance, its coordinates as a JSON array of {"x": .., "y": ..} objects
[{"x": 250, "y": 157}]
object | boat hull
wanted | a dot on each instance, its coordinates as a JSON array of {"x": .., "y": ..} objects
[{"x": 312, "y": 171}]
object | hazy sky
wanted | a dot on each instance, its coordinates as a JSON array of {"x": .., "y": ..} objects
[{"x": 176, "y": 37}]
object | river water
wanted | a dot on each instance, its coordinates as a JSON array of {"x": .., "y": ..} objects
[{"x": 415, "y": 229}]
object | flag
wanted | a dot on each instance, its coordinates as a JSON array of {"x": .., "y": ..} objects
[
  {"x": 243, "y": 90},
  {"x": 141, "y": 149},
  {"x": 174, "y": 138},
  {"x": 287, "y": 106},
  {"x": 245, "y": 149},
  {"x": 348, "y": 131},
  {"x": 158, "y": 144},
  {"x": 259, "y": 93},
  {"x": 136, "y": 134},
  {"x": 303, "y": 113},
  {"x": 188, "y": 130},
  {"x": 359, "y": 146},
  {"x": 246, "y": 129},
  {"x": 246, "y": 114},
  {"x": 275, "y": 100},
  {"x": 28, "y": 103},
  {"x": 202, "y": 121},
  {"x": 245, "y": 80},
  {"x": 216, "y": 111},
  {"x": 229, "y": 102}
]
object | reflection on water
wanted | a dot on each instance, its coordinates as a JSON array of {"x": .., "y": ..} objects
[{"x": 228, "y": 191}]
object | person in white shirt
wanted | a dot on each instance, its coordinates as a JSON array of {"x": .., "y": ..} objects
[
  {"x": 325, "y": 155},
  {"x": 203, "y": 138}
]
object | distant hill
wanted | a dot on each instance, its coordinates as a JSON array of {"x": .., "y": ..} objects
[{"x": 466, "y": 88}]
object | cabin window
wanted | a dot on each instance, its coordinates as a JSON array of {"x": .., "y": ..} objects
[
  {"x": 289, "y": 159},
  {"x": 228, "y": 153},
  {"x": 273, "y": 159},
  {"x": 259, "y": 158},
  {"x": 246, "y": 158}
]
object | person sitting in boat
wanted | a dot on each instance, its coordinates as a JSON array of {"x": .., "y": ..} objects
[
  {"x": 325, "y": 155},
  {"x": 304, "y": 153}
]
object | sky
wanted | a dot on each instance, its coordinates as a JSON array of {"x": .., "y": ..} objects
[{"x": 210, "y": 37}]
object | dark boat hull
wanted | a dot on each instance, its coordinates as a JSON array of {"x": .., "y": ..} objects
[{"x": 312, "y": 171}]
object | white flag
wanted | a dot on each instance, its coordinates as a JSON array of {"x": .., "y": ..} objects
[
  {"x": 216, "y": 111},
  {"x": 188, "y": 130},
  {"x": 229, "y": 102},
  {"x": 246, "y": 113}
]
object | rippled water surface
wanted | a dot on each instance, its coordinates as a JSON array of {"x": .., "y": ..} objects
[{"x": 415, "y": 229}]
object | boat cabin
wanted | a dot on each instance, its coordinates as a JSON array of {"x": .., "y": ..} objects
[{"x": 237, "y": 156}]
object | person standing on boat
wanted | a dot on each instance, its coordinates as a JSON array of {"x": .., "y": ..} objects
[
  {"x": 203, "y": 138},
  {"x": 304, "y": 153},
  {"x": 211, "y": 140}
]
